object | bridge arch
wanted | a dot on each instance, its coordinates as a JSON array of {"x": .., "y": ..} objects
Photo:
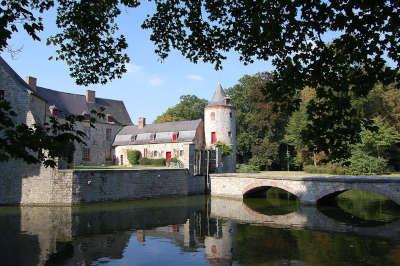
[
  {"x": 327, "y": 195},
  {"x": 260, "y": 188}
]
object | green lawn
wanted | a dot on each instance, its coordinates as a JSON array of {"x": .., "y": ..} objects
[{"x": 113, "y": 167}]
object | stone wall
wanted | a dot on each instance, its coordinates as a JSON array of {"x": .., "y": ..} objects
[
  {"x": 96, "y": 139},
  {"x": 66, "y": 187},
  {"x": 107, "y": 185}
]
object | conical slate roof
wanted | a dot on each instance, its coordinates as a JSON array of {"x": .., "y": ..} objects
[{"x": 219, "y": 97}]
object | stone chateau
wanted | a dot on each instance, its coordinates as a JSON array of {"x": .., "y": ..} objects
[{"x": 193, "y": 143}]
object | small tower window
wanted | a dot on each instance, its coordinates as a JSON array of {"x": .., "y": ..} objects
[
  {"x": 227, "y": 101},
  {"x": 213, "y": 137},
  {"x": 212, "y": 116},
  {"x": 230, "y": 114},
  {"x": 175, "y": 136}
]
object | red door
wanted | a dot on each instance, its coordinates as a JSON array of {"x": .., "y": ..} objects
[
  {"x": 213, "y": 137},
  {"x": 168, "y": 155}
]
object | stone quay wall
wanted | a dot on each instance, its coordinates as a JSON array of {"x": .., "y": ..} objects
[{"x": 68, "y": 187}]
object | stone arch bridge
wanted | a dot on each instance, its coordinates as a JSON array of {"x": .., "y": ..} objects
[{"x": 308, "y": 189}]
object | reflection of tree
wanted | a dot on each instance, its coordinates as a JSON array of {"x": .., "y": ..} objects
[
  {"x": 319, "y": 248},
  {"x": 256, "y": 244}
]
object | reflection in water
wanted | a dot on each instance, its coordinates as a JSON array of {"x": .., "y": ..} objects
[
  {"x": 196, "y": 231},
  {"x": 276, "y": 202}
]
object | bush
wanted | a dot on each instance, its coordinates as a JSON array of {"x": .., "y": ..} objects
[
  {"x": 155, "y": 162},
  {"x": 175, "y": 162},
  {"x": 364, "y": 164},
  {"x": 330, "y": 168},
  {"x": 259, "y": 162},
  {"x": 246, "y": 169},
  {"x": 134, "y": 156}
]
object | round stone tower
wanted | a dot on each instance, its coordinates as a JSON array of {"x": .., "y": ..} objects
[{"x": 220, "y": 127}]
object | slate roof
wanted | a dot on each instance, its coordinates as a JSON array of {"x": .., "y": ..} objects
[
  {"x": 157, "y": 133},
  {"x": 219, "y": 97},
  {"x": 16, "y": 77},
  {"x": 69, "y": 103}
]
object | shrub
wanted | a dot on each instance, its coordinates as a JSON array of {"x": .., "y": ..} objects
[
  {"x": 134, "y": 156},
  {"x": 364, "y": 164},
  {"x": 246, "y": 169},
  {"x": 155, "y": 162},
  {"x": 330, "y": 168},
  {"x": 175, "y": 162},
  {"x": 259, "y": 162}
]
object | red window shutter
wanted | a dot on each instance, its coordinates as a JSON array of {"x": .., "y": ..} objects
[
  {"x": 174, "y": 137},
  {"x": 168, "y": 155},
  {"x": 213, "y": 137}
]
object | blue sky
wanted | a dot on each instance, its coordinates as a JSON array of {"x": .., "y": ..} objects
[{"x": 149, "y": 87}]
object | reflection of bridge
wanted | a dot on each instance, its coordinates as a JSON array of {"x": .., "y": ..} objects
[
  {"x": 309, "y": 189},
  {"x": 307, "y": 217}
]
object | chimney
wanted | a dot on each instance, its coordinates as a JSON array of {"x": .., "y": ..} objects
[
  {"x": 31, "y": 81},
  {"x": 142, "y": 122},
  {"x": 90, "y": 96}
]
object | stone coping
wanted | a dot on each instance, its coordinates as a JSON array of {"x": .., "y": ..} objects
[
  {"x": 305, "y": 177},
  {"x": 122, "y": 170}
]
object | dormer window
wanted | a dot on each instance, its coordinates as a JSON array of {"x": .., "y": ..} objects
[
  {"x": 227, "y": 101},
  {"x": 53, "y": 110},
  {"x": 134, "y": 138},
  {"x": 110, "y": 119},
  {"x": 86, "y": 116},
  {"x": 175, "y": 136}
]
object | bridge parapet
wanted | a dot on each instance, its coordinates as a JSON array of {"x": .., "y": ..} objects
[{"x": 308, "y": 188}]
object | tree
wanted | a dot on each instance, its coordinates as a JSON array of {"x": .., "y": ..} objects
[
  {"x": 261, "y": 122},
  {"x": 294, "y": 34},
  {"x": 370, "y": 155},
  {"x": 190, "y": 107},
  {"x": 134, "y": 156},
  {"x": 297, "y": 123}
]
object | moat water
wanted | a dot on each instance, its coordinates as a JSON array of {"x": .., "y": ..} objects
[{"x": 358, "y": 229}]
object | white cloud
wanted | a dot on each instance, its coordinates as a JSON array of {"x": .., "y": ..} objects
[
  {"x": 155, "y": 81},
  {"x": 194, "y": 77},
  {"x": 133, "y": 68}
]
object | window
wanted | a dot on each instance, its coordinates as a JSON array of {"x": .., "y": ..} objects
[
  {"x": 229, "y": 134},
  {"x": 230, "y": 114},
  {"x": 213, "y": 138},
  {"x": 108, "y": 133},
  {"x": 2, "y": 95},
  {"x": 181, "y": 153},
  {"x": 121, "y": 159},
  {"x": 155, "y": 153},
  {"x": 85, "y": 154},
  {"x": 227, "y": 101},
  {"x": 213, "y": 116},
  {"x": 145, "y": 153},
  {"x": 110, "y": 119}
]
